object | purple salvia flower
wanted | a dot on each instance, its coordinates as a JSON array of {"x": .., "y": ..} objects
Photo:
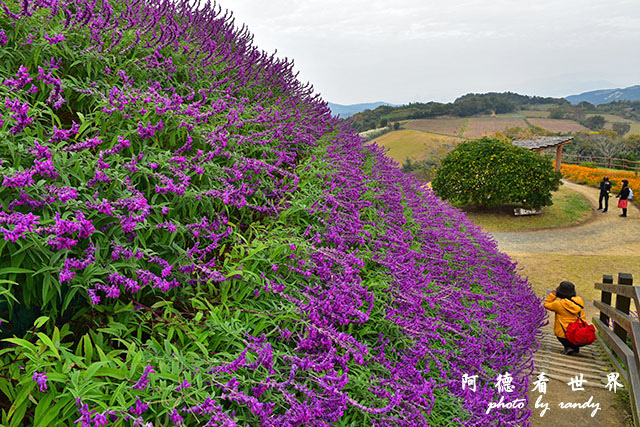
[
  {"x": 40, "y": 379},
  {"x": 21, "y": 117},
  {"x": 66, "y": 275},
  {"x": 21, "y": 80},
  {"x": 139, "y": 408},
  {"x": 40, "y": 151},
  {"x": 100, "y": 419},
  {"x": 184, "y": 385},
  {"x": 19, "y": 179},
  {"x": 85, "y": 415},
  {"x": 149, "y": 131},
  {"x": 143, "y": 382},
  {"x": 92, "y": 293},
  {"x": 62, "y": 135},
  {"x": 22, "y": 224},
  {"x": 63, "y": 194},
  {"x": 176, "y": 418},
  {"x": 54, "y": 39},
  {"x": 87, "y": 144},
  {"x": 167, "y": 226}
]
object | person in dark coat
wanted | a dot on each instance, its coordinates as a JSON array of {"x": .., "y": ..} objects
[
  {"x": 605, "y": 190},
  {"x": 624, "y": 198}
]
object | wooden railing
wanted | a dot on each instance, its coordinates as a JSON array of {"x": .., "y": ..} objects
[
  {"x": 604, "y": 162},
  {"x": 614, "y": 339}
]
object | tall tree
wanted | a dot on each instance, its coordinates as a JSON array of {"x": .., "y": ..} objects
[
  {"x": 596, "y": 122},
  {"x": 621, "y": 128}
]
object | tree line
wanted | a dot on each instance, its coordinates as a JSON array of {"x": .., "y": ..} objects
[
  {"x": 499, "y": 103},
  {"x": 464, "y": 106}
]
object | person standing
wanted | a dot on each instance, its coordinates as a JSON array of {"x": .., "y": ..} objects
[
  {"x": 624, "y": 198},
  {"x": 568, "y": 307},
  {"x": 605, "y": 190}
]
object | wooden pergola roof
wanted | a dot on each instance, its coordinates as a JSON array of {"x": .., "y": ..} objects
[{"x": 543, "y": 142}]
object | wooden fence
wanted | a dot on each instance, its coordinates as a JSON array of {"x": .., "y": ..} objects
[
  {"x": 604, "y": 162},
  {"x": 614, "y": 339}
]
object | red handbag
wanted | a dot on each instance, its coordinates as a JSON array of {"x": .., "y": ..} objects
[{"x": 580, "y": 332}]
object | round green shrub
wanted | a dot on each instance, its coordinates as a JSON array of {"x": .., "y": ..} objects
[{"x": 489, "y": 172}]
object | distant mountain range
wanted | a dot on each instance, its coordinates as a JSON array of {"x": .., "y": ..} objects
[
  {"x": 595, "y": 97},
  {"x": 604, "y": 96},
  {"x": 345, "y": 111}
]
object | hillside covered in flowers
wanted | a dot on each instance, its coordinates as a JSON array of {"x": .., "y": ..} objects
[{"x": 190, "y": 238}]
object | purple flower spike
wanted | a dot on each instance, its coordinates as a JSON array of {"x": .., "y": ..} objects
[
  {"x": 150, "y": 130},
  {"x": 139, "y": 408},
  {"x": 100, "y": 420},
  {"x": 54, "y": 39},
  {"x": 40, "y": 379},
  {"x": 143, "y": 382},
  {"x": 184, "y": 385},
  {"x": 176, "y": 418}
]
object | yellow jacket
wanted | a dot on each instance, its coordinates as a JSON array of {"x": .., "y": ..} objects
[{"x": 566, "y": 312}]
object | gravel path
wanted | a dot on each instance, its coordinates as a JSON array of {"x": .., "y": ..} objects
[{"x": 602, "y": 234}]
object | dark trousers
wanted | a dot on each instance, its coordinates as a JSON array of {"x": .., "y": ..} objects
[
  {"x": 606, "y": 201},
  {"x": 624, "y": 211},
  {"x": 568, "y": 344}
]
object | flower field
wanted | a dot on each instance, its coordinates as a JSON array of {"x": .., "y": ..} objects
[
  {"x": 593, "y": 176},
  {"x": 191, "y": 239}
]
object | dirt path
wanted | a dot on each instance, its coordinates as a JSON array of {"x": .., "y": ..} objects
[{"x": 603, "y": 235}]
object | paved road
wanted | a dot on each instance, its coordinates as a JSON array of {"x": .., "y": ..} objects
[{"x": 601, "y": 234}]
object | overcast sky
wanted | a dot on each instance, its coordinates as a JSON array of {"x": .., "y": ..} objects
[{"x": 403, "y": 51}]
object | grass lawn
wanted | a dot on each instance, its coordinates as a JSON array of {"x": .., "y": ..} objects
[
  {"x": 546, "y": 271},
  {"x": 403, "y": 144},
  {"x": 535, "y": 114},
  {"x": 610, "y": 118},
  {"x": 569, "y": 208}
]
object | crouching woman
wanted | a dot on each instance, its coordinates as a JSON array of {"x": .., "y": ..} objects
[{"x": 568, "y": 307}]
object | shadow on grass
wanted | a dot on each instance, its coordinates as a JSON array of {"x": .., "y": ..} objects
[{"x": 569, "y": 209}]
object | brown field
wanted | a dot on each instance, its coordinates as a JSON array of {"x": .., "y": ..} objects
[
  {"x": 403, "y": 144},
  {"x": 535, "y": 114},
  {"x": 557, "y": 125},
  {"x": 483, "y": 126},
  {"x": 441, "y": 126}
]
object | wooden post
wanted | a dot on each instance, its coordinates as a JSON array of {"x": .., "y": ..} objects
[
  {"x": 558, "y": 157},
  {"x": 622, "y": 304},
  {"x": 606, "y": 297}
]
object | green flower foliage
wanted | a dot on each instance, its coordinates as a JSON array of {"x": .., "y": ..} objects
[
  {"x": 189, "y": 238},
  {"x": 490, "y": 172}
]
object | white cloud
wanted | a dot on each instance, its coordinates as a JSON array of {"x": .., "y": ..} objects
[{"x": 409, "y": 50}]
